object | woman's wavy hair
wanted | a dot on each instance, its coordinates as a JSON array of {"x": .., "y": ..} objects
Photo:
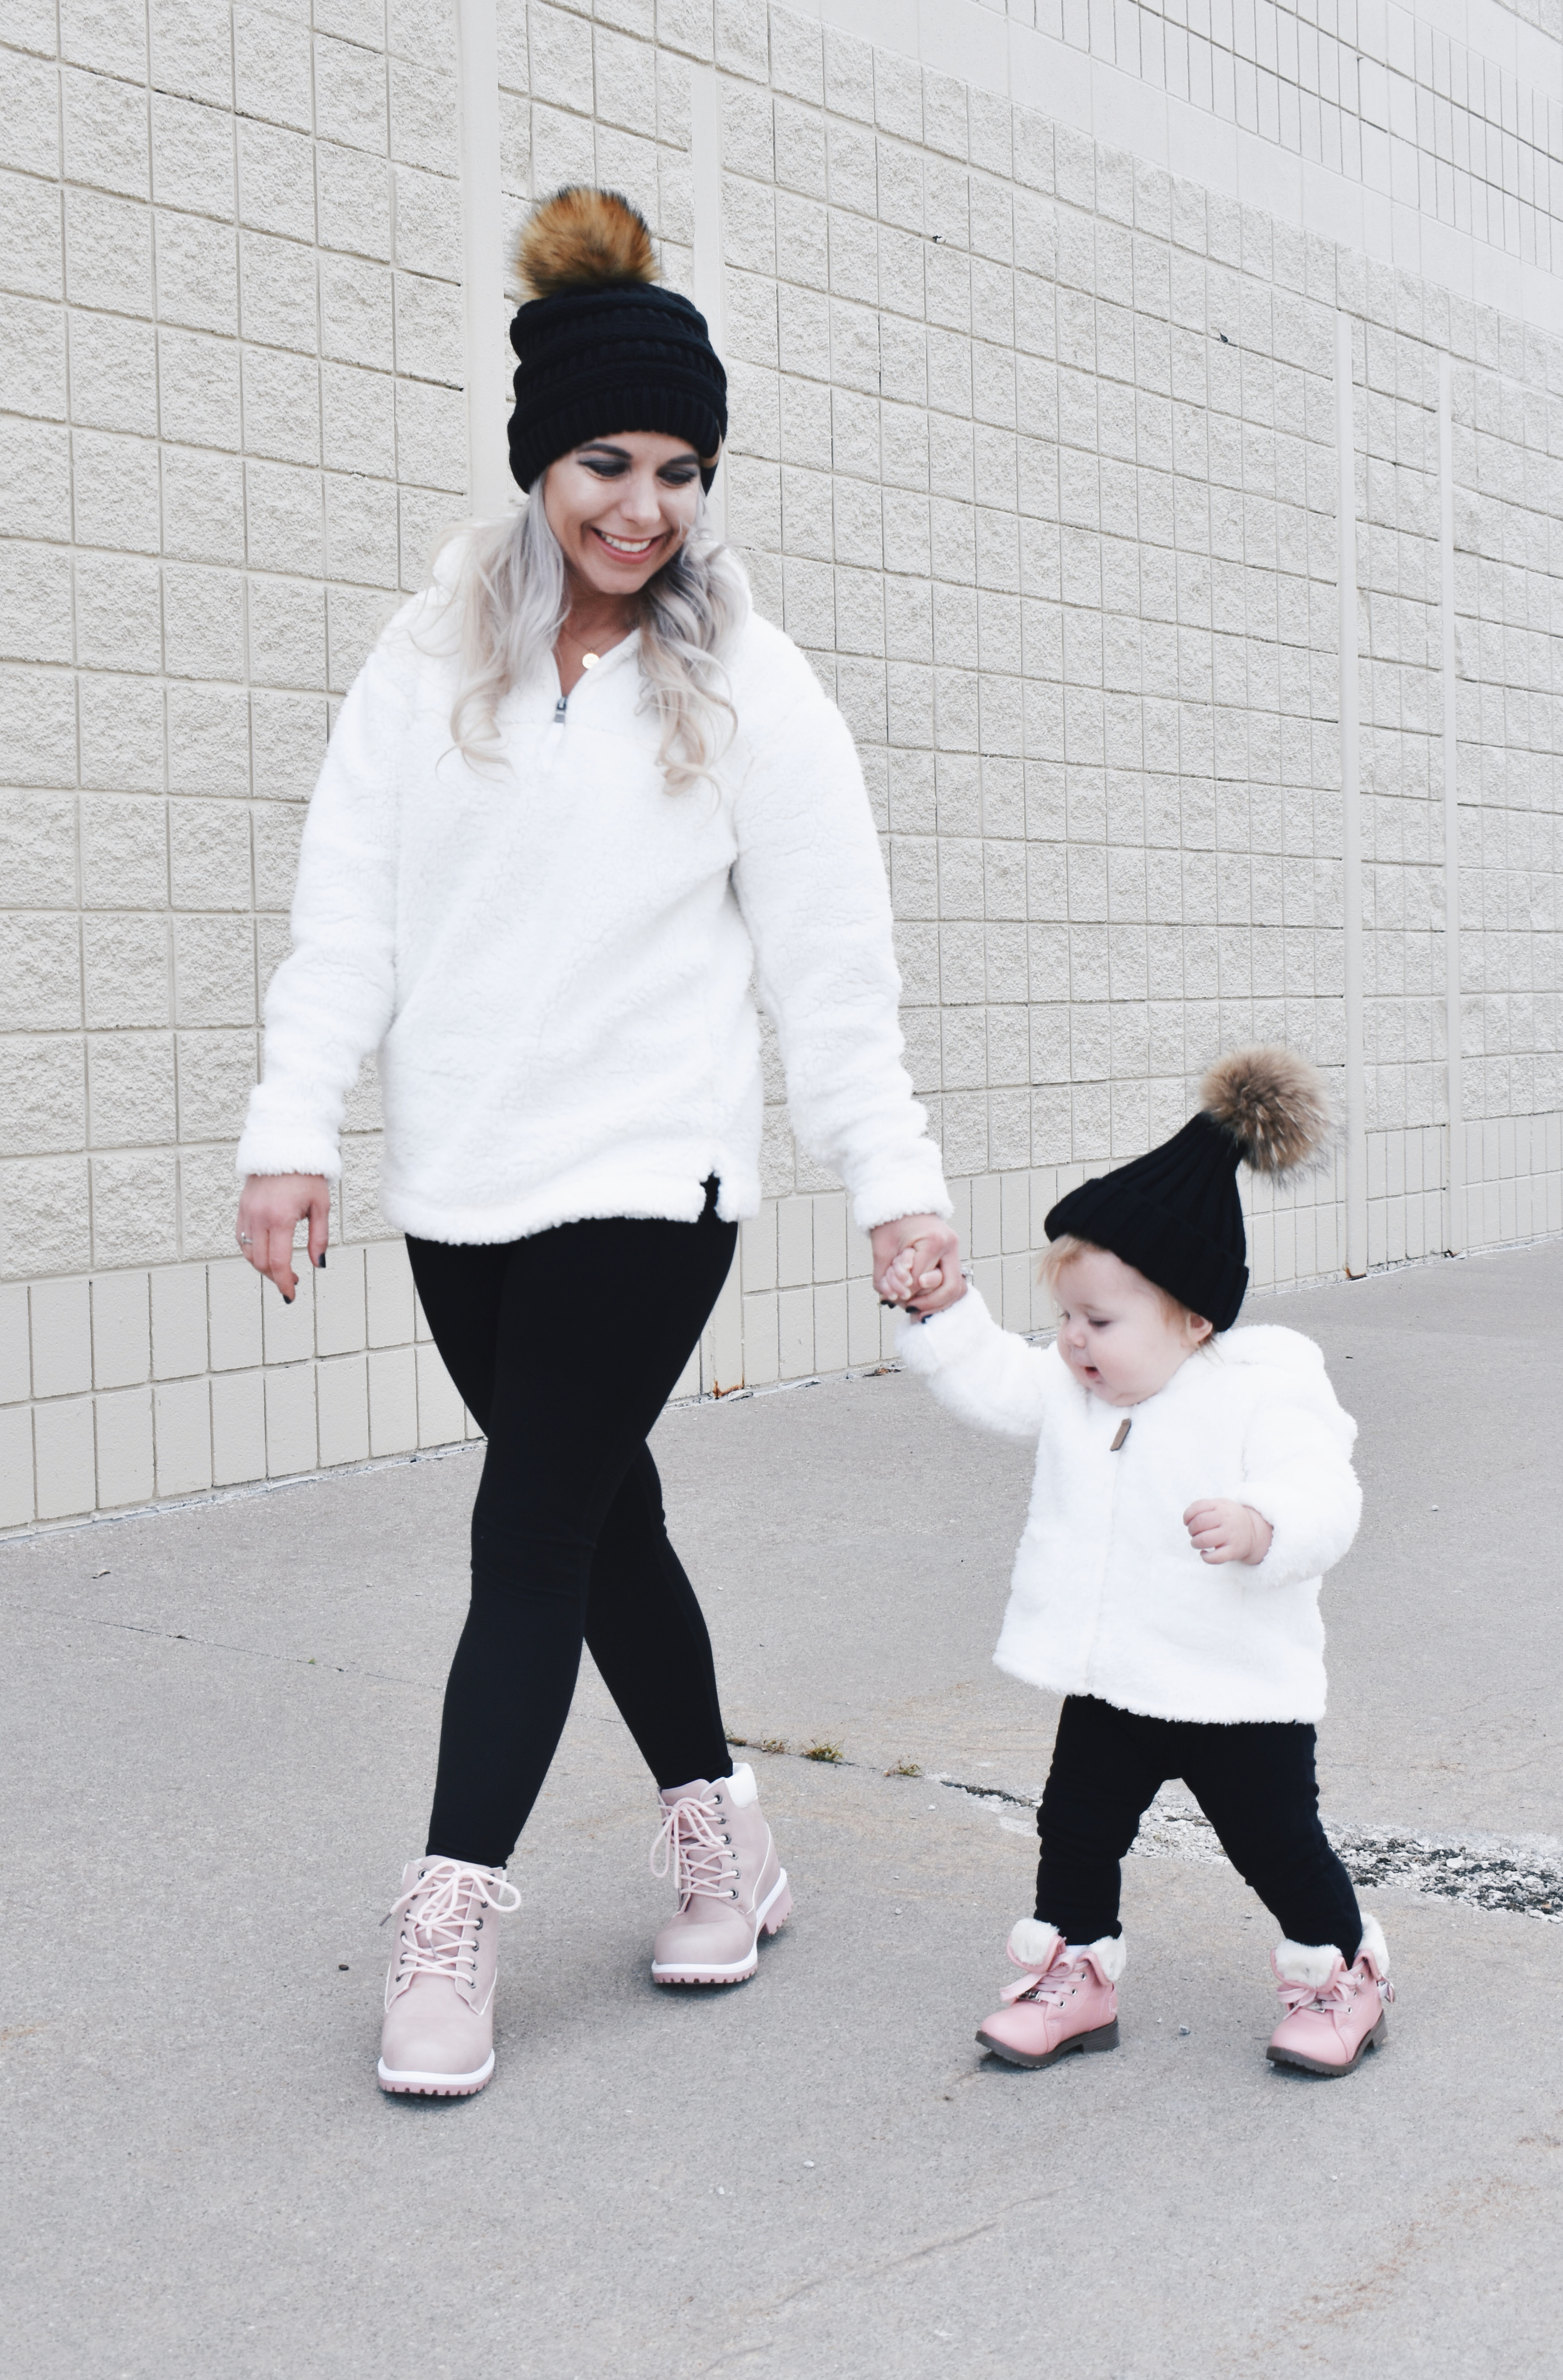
[{"x": 511, "y": 598}]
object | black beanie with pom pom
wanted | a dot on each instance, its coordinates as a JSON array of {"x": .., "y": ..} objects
[
  {"x": 1175, "y": 1214},
  {"x": 604, "y": 346}
]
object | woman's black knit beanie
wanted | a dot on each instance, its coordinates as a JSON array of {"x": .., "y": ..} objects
[
  {"x": 1175, "y": 1214},
  {"x": 604, "y": 346}
]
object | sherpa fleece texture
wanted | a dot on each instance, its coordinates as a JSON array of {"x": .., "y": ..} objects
[
  {"x": 1109, "y": 1596},
  {"x": 554, "y": 957}
]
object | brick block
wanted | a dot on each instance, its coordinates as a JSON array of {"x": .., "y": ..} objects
[
  {"x": 272, "y": 68},
  {"x": 36, "y": 619},
  {"x": 125, "y": 860},
  {"x": 121, "y": 735},
  {"x": 277, "y": 292},
  {"x": 392, "y": 1401},
  {"x": 233, "y": 1293},
  {"x": 276, "y": 181},
  {"x": 208, "y": 739},
  {"x": 33, "y": 337},
  {"x": 429, "y": 223},
  {"x": 203, "y": 622},
  {"x": 16, "y": 1505},
  {"x": 441, "y": 1416},
  {"x": 30, "y": 115},
  {"x": 359, "y": 420},
  {"x": 356, "y": 311},
  {"x": 105, "y": 134},
  {"x": 40, "y": 973},
  {"x": 292, "y": 1438},
  {"x": 46, "y": 1225},
  {"x": 423, "y": 118},
  {"x": 197, "y": 380},
  {"x": 62, "y": 1338},
  {"x": 197, "y": 280},
  {"x": 182, "y": 1436},
  {"x": 350, "y": 99},
  {"x": 126, "y": 1472},
  {"x": 16, "y": 1353},
  {"x": 192, "y": 50},
  {"x": 108, "y": 252},
  {"x": 342, "y": 1410},
  {"x": 215, "y": 971},
  {"x": 135, "y": 1217},
  {"x": 428, "y": 326},
  {"x": 285, "y": 519},
  {"x": 116, "y": 493},
  {"x": 178, "y": 1321},
  {"x": 287, "y": 634},
  {"x": 119, "y": 613},
  {"x": 31, "y": 237},
  {"x": 282, "y": 405},
  {"x": 238, "y": 1428},
  {"x": 353, "y": 197},
  {"x": 216, "y": 1072},
  {"x": 42, "y": 1109},
  {"x": 760, "y": 1350},
  {"x": 340, "y": 1326},
  {"x": 192, "y": 157},
  {"x": 389, "y": 1291},
  {"x": 65, "y": 1457},
  {"x": 34, "y": 481},
  {"x": 289, "y": 734}
]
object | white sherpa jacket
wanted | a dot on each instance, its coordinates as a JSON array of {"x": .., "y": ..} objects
[
  {"x": 553, "y": 959},
  {"x": 1109, "y": 1596}
]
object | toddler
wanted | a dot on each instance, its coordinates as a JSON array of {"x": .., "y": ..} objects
[{"x": 1191, "y": 1488}]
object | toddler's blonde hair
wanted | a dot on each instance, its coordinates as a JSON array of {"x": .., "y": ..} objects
[{"x": 1197, "y": 1327}]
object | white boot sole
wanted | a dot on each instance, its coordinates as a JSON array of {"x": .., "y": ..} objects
[
  {"x": 768, "y": 1919},
  {"x": 435, "y": 2086}
]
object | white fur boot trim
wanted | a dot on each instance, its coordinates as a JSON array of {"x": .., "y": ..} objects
[
  {"x": 1110, "y": 1954},
  {"x": 1374, "y": 1943},
  {"x": 741, "y": 1788},
  {"x": 1306, "y": 1963},
  {"x": 1032, "y": 1943}
]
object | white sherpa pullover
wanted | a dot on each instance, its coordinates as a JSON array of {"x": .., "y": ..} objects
[
  {"x": 554, "y": 958},
  {"x": 1109, "y": 1596}
]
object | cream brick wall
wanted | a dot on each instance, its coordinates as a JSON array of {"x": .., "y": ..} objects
[{"x": 1034, "y": 451}]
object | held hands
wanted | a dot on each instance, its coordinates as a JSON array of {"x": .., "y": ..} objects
[
  {"x": 269, "y": 1206},
  {"x": 1226, "y": 1531},
  {"x": 916, "y": 1264}
]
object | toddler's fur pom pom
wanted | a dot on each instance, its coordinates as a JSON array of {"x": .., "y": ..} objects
[
  {"x": 582, "y": 238},
  {"x": 1273, "y": 1105}
]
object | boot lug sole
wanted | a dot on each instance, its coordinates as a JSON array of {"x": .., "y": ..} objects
[
  {"x": 414, "y": 2083},
  {"x": 1105, "y": 2037},
  {"x": 1374, "y": 2040},
  {"x": 769, "y": 1919}
]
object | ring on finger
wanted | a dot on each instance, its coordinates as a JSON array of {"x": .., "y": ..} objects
[{"x": 244, "y": 1240}]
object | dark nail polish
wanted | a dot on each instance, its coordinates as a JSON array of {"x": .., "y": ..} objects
[
  {"x": 286, "y": 1299},
  {"x": 321, "y": 1260}
]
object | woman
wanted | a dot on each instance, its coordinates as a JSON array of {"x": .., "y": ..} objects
[{"x": 578, "y": 796}]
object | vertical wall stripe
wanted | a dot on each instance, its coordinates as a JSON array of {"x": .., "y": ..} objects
[
  {"x": 1454, "y": 1223},
  {"x": 705, "y": 165},
  {"x": 489, "y": 482},
  {"x": 1351, "y": 808}
]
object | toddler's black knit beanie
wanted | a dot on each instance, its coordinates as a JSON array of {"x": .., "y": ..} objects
[
  {"x": 1174, "y": 1214},
  {"x": 603, "y": 345}
]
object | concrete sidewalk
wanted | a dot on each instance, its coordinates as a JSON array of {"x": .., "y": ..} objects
[{"x": 218, "y": 1732}]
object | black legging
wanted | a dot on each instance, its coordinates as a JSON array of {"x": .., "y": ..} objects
[
  {"x": 566, "y": 1347},
  {"x": 1254, "y": 1781}
]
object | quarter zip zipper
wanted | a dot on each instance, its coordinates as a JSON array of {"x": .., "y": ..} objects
[{"x": 555, "y": 733}]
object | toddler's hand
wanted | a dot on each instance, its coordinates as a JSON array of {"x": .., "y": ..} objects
[{"x": 1226, "y": 1531}]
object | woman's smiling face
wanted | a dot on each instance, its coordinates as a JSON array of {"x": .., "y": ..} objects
[{"x": 621, "y": 506}]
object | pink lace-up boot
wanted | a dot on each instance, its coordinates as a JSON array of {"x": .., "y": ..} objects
[
  {"x": 1065, "y": 1999},
  {"x": 730, "y": 1885},
  {"x": 1334, "y": 2013},
  {"x": 438, "y": 2036}
]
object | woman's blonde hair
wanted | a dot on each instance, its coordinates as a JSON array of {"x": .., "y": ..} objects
[
  {"x": 511, "y": 598},
  {"x": 1064, "y": 1250}
]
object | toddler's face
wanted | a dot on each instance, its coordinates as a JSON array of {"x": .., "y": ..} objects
[{"x": 1115, "y": 1334}]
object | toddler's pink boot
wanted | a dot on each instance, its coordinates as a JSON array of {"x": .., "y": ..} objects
[
  {"x": 438, "y": 2034},
  {"x": 1065, "y": 1999},
  {"x": 1334, "y": 2013},
  {"x": 731, "y": 1885}
]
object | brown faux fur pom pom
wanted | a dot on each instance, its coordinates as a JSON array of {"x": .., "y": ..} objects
[
  {"x": 1275, "y": 1106},
  {"x": 582, "y": 238}
]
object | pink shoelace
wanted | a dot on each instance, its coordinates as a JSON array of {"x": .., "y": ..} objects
[
  {"x": 691, "y": 1841},
  {"x": 1333, "y": 1998},
  {"x": 1054, "y": 1983},
  {"x": 434, "y": 1942}
]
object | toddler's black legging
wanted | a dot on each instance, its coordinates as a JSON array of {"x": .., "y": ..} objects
[
  {"x": 1254, "y": 1781},
  {"x": 566, "y": 1347}
]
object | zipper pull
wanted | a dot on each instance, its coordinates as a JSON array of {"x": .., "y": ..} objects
[
  {"x": 556, "y": 731},
  {"x": 1124, "y": 1429}
]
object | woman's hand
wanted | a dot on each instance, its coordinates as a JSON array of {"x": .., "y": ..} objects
[
  {"x": 269, "y": 1206},
  {"x": 916, "y": 1264},
  {"x": 1226, "y": 1531}
]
